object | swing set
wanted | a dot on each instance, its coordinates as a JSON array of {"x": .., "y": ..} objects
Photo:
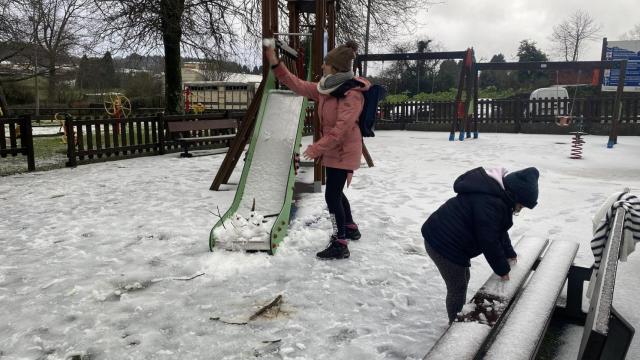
[
  {"x": 596, "y": 68},
  {"x": 463, "y": 108},
  {"x": 564, "y": 120}
]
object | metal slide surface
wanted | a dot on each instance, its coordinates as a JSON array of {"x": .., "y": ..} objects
[{"x": 266, "y": 185}]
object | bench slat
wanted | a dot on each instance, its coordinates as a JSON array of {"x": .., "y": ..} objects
[
  {"x": 207, "y": 138},
  {"x": 478, "y": 323},
  {"x": 179, "y": 126},
  {"x": 528, "y": 250},
  {"x": 523, "y": 329},
  {"x": 596, "y": 328}
]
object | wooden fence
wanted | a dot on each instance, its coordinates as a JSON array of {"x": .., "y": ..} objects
[
  {"x": 515, "y": 115},
  {"x": 47, "y": 113},
  {"x": 104, "y": 138},
  {"x": 16, "y": 137}
]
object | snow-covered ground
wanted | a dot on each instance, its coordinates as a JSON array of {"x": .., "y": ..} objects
[{"x": 111, "y": 260}]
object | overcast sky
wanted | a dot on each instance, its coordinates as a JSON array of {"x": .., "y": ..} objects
[{"x": 498, "y": 26}]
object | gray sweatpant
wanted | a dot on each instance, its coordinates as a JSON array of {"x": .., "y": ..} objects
[{"x": 456, "y": 278}]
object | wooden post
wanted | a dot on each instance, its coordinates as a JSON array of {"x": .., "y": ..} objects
[
  {"x": 26, "y": 141},
  {"x": 266, "y": 33},
  {"x": 71, "y": 143},
  {"x": 617, "y": 107},
  {"x": 160, "y": 129},
  {"x": 318, "y": 58},
  {"x": 456, "y": 122},
  {"x": 294, "y": 24},
  {"x": 240, "y": 141},
  {"x": 331, "y": 24},
  {"x": 518, "y": 114},
  {"x": 469, "y": 65},
  {"x": 4, "y": 107},
  {"x": 603, "y": 56},
  {"x": 476, "y": 86},
  {"x": 273, "y": 13},
  {"x": 366, "y": 154}
]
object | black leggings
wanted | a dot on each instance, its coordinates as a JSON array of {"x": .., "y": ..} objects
[{"x": 336, "y": 201}]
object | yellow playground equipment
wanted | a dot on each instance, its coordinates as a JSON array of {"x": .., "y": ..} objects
[
  {"x": 62, "y": 130},
  {"x": 118, "y": 106},
  {"x": 198, "y": 108}
]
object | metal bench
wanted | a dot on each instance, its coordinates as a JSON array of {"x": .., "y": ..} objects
[{"x": 189, "y": 132}]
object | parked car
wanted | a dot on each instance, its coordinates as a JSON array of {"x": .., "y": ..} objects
[{"x": 554, "y": 107}]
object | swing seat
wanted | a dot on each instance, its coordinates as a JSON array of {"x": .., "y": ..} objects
[{"x": 564, "y": 120}]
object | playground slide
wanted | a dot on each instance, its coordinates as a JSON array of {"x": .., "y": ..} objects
[{"x": 259, "y": 215}]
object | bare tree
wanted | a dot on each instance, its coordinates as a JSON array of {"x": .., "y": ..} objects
[
  {"x": 217, "y": 29},
  {"x": 210, "y": 29},
  {"x": 214, "y": 70},
  {"x": 15, "y": 41},
  {"x": 388, "y": 19},
  {"x": 49, "y": 28},
  {"x": 571, "y": 35},
  {"x": 633, "y": 34}
]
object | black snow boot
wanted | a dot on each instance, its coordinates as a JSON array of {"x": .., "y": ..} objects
[
  {"x": 353, "y": 234},
  {"x": 334, "y": 251}
]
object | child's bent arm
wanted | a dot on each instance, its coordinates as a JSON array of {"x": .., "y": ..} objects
[{"x": 297, "y": 85}]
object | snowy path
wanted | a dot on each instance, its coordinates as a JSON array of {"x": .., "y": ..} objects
[{"x": 94, "y": 259}]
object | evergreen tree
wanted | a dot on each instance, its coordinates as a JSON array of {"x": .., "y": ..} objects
[
  {"x": 108, "y": 78},
  {"x": 528, "y": 52},
  {"x": 447, "y": 75},
  {"x": 83, "y": 71},
  {"x": 497, "y": 79}
]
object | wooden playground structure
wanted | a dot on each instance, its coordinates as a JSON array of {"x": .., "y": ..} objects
[{"x": 293, "y": 55}]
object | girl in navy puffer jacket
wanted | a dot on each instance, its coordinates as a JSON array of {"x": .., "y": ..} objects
[{"x": 476, "y": 222}]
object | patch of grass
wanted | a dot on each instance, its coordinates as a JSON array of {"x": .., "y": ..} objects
[
  {"x": 50, "y": 153},
  {"x": 47, "y": 147}
]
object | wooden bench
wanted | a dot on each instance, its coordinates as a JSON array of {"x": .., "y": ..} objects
[
  {"x": 189, "y": 132},
  {"x": 508, "y": 319}
]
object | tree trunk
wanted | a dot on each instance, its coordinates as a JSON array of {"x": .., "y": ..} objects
[
  {"x": 171, "y": 15},
  {"x": 52, "y": 97},
  {"x": 4, "y": 108}
]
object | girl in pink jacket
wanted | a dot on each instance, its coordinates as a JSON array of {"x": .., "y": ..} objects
[{"x": 339, "y": 99}]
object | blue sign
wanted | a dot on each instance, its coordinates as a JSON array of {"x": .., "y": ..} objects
[{"x": 623, "y": 50}]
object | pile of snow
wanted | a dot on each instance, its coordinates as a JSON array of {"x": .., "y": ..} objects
[{"x": 238, "y": 230}]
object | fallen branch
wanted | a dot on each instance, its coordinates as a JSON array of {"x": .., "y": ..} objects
[
  {"x": 218, "y": 215},
  {"x": 189, "y": 278},
  {"x": 227, "y": 322},
  {"x": 271, "y": 341},
  {"x": 276, "y": 302}
]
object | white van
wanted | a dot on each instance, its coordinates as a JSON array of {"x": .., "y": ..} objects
[{"x": 555, "y": 107}]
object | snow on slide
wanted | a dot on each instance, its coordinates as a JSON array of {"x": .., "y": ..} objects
[{"x": 266, "y": 175}]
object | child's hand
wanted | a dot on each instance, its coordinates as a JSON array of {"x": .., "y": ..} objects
[
  {"x": 513, "y": 260},
  {"x": 505, "y": 277},
  {"x": 310, "y": 153},
  {"x": 270, "y": 53}
]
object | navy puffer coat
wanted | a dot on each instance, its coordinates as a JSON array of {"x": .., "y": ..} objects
[{"x": 474, "y": 222}]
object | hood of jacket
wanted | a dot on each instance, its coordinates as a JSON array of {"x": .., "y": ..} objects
[
  {"x": 477, "y": 181},
  {"x": 357, "y": 84}
]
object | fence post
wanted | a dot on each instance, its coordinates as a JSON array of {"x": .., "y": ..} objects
[
  {"x": 26, "y": 139},
  {"x": 518, "y": 115},
  {"x": 71, "y": 141},
  {"x": 160, "y": 133}
]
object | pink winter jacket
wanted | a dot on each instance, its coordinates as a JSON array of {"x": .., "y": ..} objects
[{"x": 340, "y": 145}]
